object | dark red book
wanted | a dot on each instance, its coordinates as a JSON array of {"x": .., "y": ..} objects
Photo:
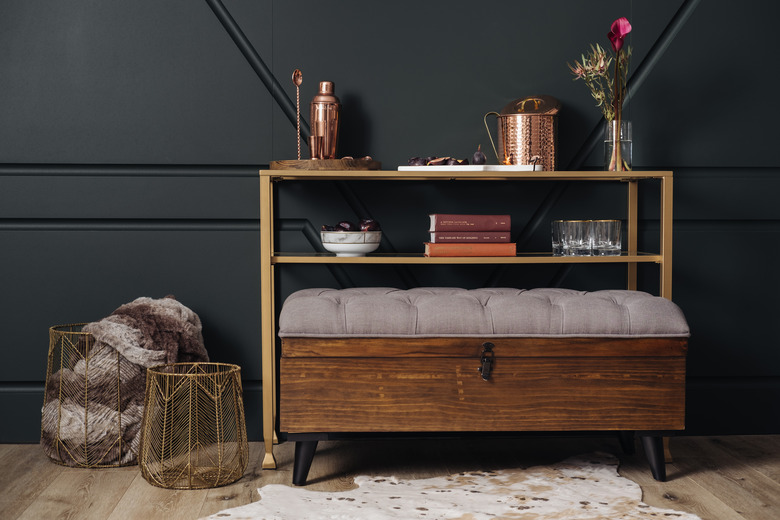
[
  {"x": 461, "y": 222},
  {"x": 471, "y": 249},
  {"x": 446, "y": 237}
]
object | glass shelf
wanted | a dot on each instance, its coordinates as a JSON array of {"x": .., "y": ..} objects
[{"x": 419, "y": 258}]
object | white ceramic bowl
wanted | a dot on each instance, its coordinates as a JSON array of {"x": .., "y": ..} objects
[{"x": 351, "y": 243}]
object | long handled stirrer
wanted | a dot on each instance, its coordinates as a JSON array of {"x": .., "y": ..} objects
[{"x": 297, "y": 78}]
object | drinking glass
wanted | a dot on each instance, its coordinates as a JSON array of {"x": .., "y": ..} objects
[
  {"x": 557, "y": 237},
  {"x": 577, "y": 238},
  {"x": 606, "y": 238}
]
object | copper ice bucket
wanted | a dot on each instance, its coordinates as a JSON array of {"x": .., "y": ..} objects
[{"x": 527, "y": 132}]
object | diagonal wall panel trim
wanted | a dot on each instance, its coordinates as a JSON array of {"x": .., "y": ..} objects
[{"x": 259, "y": 66}]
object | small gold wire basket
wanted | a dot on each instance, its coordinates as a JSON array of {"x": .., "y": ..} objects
[
  {"x": 85, "y": 421},
  {"x": 194, "y": 432}
]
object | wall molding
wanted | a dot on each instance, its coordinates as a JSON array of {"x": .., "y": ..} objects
[
  {"x": 130, "y": 170},
  {"x": 162, "y": 224}
]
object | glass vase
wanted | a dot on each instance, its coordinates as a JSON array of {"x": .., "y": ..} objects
[{"x": 617, "y": 145}]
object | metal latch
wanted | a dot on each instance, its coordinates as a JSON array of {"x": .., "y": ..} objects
[{"x": 486, "y": 360}]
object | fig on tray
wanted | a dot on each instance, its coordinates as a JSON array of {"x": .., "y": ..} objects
[
  {"x": 457, "y": 162},
  {"x": 479, "y": 156},
  {"x": 437, "y": 161}
]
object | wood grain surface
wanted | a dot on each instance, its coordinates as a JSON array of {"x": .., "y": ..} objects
[
  {"x": 472, "y": 346},
  {"x": 448, "y": 394},
  {"x": 717, "y": 478},
  {"x": 326, "y": 164}
]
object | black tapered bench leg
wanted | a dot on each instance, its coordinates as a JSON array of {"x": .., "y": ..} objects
[
  {"x": 654, "y": 450},
  {"x": 304, "y": 454}
]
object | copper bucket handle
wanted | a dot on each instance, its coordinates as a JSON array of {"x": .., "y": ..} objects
[
  {"x": 484, "y": 119},
  {"x": 536, "y": 102}
]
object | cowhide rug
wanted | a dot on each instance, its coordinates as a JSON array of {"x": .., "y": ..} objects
[{"x": 584, "y": 487}]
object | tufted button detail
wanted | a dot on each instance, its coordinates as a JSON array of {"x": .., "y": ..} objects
[{"x": 499, "y": 312}]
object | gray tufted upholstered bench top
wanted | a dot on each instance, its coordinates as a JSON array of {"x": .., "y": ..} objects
[{"x": 497, "y": 312}]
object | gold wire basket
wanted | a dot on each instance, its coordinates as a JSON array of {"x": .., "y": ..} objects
[
  {"x": 84, "y": 420},
  {"x": 194, "y": 432}
]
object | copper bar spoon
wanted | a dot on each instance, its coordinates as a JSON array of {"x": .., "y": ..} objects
[{"x": 297, "y": 79}]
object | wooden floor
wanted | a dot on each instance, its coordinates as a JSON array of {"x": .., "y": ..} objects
[{"x": 717, "y": 478}]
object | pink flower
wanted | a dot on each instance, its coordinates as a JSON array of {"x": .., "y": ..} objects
[{"x": 620, "y": 28}]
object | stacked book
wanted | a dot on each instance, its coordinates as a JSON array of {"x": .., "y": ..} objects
[{"x": 470, "y": 235}]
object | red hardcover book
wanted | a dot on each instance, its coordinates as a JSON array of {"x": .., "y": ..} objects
[
  {"x": 446, "y": 237},
  {"x": 471, "y": 249},
  {"x": 461, "y": 222}
]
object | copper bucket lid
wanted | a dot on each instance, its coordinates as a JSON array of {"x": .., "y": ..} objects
[{"x": 532, "y": 105}]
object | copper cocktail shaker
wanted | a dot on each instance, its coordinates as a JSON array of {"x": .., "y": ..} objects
[{"x": 324, "y": 123}]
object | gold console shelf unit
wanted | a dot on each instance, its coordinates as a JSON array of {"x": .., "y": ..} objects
[{"x": 269, "y": 257}]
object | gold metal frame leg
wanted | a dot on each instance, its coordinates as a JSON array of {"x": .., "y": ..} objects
[{"x": 267, "y": 326}]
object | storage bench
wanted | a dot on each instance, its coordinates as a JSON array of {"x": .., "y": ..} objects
[{"x": 484, "y": 360}]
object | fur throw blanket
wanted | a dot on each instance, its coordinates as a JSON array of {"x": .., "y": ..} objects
[{"x": 94, "y": 399}]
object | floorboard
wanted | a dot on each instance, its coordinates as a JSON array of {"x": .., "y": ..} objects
[
  {"x": 725, "y": 474},
  {"x": 717, "y": 478},
  {"x": 78, "y": 493},
  {"x": 147, "y": 502},
  {"x": 25, "y": 473},
  {"x": 242, "y": 492}
]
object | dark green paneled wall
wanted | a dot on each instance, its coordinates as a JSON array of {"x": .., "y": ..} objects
[{"x": 130, "y": 136}]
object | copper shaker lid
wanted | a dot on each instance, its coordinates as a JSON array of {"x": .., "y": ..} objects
[
  {"x": 532, "y": 105},
  {"x": 325, "y": 94}
]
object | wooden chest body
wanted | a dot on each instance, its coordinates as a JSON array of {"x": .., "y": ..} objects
[{"x": 435, "y": 385}]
